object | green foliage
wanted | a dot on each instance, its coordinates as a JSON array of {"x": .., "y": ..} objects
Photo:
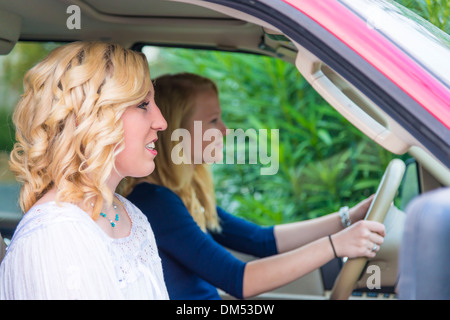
[
  {"x": 13, "y": 68},
  {"x": 24, "y": 56},
  {"x": 6, "y": 130},
  {"x": 435, "y": 11},
  {"x": 324, "y": 161}
]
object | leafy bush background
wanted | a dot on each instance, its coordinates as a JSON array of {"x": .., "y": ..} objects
[{"x": 324, "y": 161}]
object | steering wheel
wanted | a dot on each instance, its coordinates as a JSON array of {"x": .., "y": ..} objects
[{"x": 378, "y": 209}]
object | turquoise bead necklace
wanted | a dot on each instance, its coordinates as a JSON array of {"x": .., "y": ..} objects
[
  {"x": 116, "y": 219},
  {"x": 113, "y": 223}
]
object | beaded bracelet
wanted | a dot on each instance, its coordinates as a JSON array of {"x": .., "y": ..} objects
[{"x": 345, "y": 217}]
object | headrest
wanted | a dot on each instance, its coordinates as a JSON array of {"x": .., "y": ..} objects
[{"x": 425, "y": 254}]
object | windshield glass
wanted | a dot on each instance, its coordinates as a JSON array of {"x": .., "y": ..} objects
[{"x": 421, "y": 40}]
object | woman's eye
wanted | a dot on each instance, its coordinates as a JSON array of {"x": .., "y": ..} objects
[
  {"x": 214, "y": 120},
  {"x": 143, "y": 105}
]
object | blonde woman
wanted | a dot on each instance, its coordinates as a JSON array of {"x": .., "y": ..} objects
[
  {"x": 192, "y": 232},
  {"x": 86, "y": 120}
]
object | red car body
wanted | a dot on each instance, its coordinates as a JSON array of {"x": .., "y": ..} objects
[{"x": 384, "y": 55}]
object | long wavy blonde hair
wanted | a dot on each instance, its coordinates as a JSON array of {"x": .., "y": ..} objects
[
  {"x": 68, "y": 121},
  {"x": 175, "y": 96}
]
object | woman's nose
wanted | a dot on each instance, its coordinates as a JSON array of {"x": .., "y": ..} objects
[
  {"x": 223, "y": 128},
  {"x": 158, "y": 121}
]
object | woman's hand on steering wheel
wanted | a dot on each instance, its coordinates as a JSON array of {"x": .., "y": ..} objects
[
  {"x": 361, "y": 239},
  {"x": 359, "y": 211}
]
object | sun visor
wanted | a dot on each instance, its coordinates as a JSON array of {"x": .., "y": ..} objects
[{"x": 10, "y": 25}]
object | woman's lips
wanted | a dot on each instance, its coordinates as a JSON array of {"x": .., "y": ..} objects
[{"x": 151, "y": 147}]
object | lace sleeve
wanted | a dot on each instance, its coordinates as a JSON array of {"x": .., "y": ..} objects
[{"x": 58, "y": 256}]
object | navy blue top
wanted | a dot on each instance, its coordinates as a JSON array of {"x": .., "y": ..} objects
[{"x": 195, "y": 263}]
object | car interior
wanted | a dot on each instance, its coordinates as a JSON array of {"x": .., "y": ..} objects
[{"x": 206, "y": 25}]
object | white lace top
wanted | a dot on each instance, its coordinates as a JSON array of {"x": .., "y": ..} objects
[{"x": 59, "y": 252}]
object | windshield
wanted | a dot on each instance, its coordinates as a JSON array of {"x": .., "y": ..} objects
[{"x": 421, "y": 40}]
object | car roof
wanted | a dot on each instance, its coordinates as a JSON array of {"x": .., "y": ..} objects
[{"x": 132, "y": 21}]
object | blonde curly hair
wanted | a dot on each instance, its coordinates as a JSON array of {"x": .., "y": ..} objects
[{"x": 68, "y": 121}]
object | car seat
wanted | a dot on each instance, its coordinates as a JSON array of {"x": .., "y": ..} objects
[{"x": 425, "y": 250}]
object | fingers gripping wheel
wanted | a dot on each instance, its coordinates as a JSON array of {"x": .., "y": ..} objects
[{"x": 381, "y": 203}]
